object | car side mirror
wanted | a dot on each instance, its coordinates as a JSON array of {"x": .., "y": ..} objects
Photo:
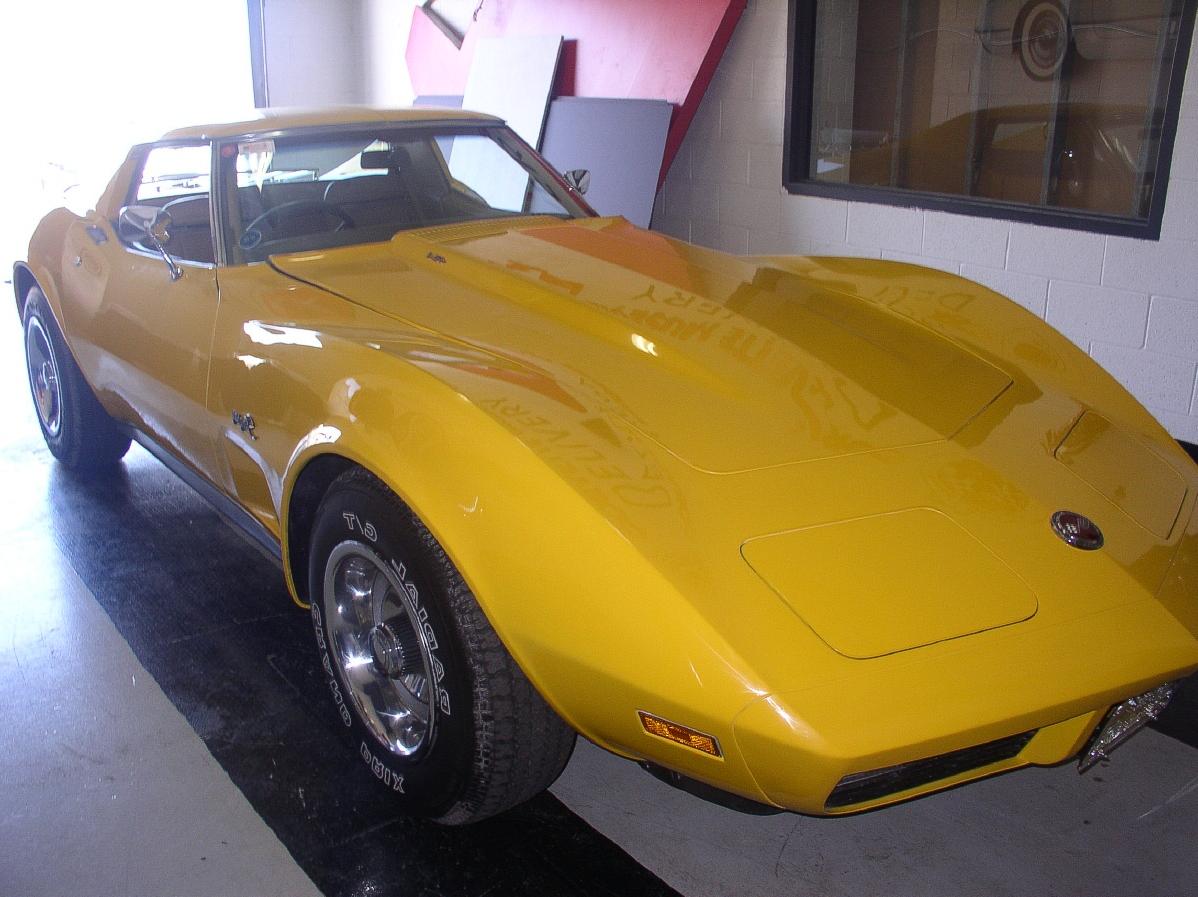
[
  {"x": 151, "y": 224},
  {"x": 579, "y": 180},
  {"x": 136, "y": 223}
]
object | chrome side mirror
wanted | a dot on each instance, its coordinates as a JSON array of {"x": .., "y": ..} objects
[
  {"x": 579, "y": 180},
  {"x": 135, "y": 222},
  {"x": 151, "y": 224}
]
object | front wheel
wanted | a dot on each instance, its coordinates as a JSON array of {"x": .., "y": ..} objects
[
  {"x": 436, "y": 706},
  {"x": 77, "y": 430}
]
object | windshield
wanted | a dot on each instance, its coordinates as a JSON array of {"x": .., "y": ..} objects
[{"x": 305, "y": 192}]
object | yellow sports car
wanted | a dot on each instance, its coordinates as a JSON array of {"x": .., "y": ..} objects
[{"x": 820, "y": 533}]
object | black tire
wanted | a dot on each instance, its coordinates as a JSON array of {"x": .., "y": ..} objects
[
  {"x": 490, "y": 742},
  {"x": 77, "y": 429}
]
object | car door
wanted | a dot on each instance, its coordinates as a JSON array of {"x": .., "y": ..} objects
[
  {"x": 257, "y": 406},
  {"x": 141, "y": 332}
]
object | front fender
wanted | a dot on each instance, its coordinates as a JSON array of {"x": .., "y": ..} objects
[
  {"x": 599, "y": 628},
  {"x": 44, "y": 267}
]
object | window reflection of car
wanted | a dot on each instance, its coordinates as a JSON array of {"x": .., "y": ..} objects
[{"x": 1095, "y": 167}]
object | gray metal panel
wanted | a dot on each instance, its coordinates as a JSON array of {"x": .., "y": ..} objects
[{"x": 621, "y": 142}]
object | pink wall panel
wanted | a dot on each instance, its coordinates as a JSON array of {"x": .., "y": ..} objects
[
  {"x": 435, "y": 65},
  {"x": 638, "y": 49}
]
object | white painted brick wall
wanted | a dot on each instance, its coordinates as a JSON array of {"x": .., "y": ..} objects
[
  {"x": 1132, "y": 304},
  {"x": 1060, "y": 254},
  {"x": 1029, "y": 290},
  {"x": 886, "y": 227},
  {"x": 1087, "y": 313}
]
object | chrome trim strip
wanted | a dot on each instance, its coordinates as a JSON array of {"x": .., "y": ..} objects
[
  {"x": 145, "y": 253},
  {"x": 235, "y": 514}
]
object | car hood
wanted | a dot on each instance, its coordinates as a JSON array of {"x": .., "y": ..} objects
[{"x": 727, "y": 364}]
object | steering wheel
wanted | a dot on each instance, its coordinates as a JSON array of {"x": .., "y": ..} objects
[{"x": 252, "y": 235}]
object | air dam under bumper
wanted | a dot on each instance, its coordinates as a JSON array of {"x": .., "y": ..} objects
[{"x": 868, "y": 787}]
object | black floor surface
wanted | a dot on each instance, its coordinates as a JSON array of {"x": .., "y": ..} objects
[{"x": 208, "y": 616}]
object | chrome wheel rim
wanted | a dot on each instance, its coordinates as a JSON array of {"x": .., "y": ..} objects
[
  {"x": 43, "y": 376},
  {"x": 377, "y": 640}
]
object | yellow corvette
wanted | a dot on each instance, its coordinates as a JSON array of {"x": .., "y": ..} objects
[{"x": 820, "y": 533}]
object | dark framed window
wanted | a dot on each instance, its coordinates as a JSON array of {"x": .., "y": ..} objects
[{"x": 1059, "y": 112}]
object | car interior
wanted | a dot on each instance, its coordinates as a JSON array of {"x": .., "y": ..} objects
[
  {"x": 365, "y": 194},
  {"x": 190, "y": 232},
  {"x": 303, "y": 194}
]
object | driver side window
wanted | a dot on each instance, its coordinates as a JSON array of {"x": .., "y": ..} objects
[{"x": 176, "y": 179}]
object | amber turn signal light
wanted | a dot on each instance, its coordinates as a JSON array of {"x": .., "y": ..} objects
[{"x": 691, "y": 738}]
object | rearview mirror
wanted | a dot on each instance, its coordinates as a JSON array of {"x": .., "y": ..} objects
[
  {"x": 579, "y": 179},
  {"x": 395, "y": 158}
]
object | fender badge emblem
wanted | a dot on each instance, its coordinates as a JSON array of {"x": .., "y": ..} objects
[{"x": 1077, "y": 530}]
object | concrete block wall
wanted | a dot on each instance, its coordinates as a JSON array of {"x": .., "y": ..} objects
[{"x": 1132, "y": 304}]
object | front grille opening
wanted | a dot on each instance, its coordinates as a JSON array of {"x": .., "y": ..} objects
[{"x": 865, "y": 786}]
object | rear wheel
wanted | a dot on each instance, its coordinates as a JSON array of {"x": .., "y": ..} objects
[
  {"x": 77, "y": 430},
  {"x": 436, "y": 706}
]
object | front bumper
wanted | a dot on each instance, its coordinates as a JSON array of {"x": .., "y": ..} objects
[{"x": 1053, "y": 684}]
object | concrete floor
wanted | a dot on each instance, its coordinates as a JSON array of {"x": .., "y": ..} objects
[
  {"x": 1128, "y": 829},
  {"x": 113, "y": 785},
  {"x": 106, "y": 788}
]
